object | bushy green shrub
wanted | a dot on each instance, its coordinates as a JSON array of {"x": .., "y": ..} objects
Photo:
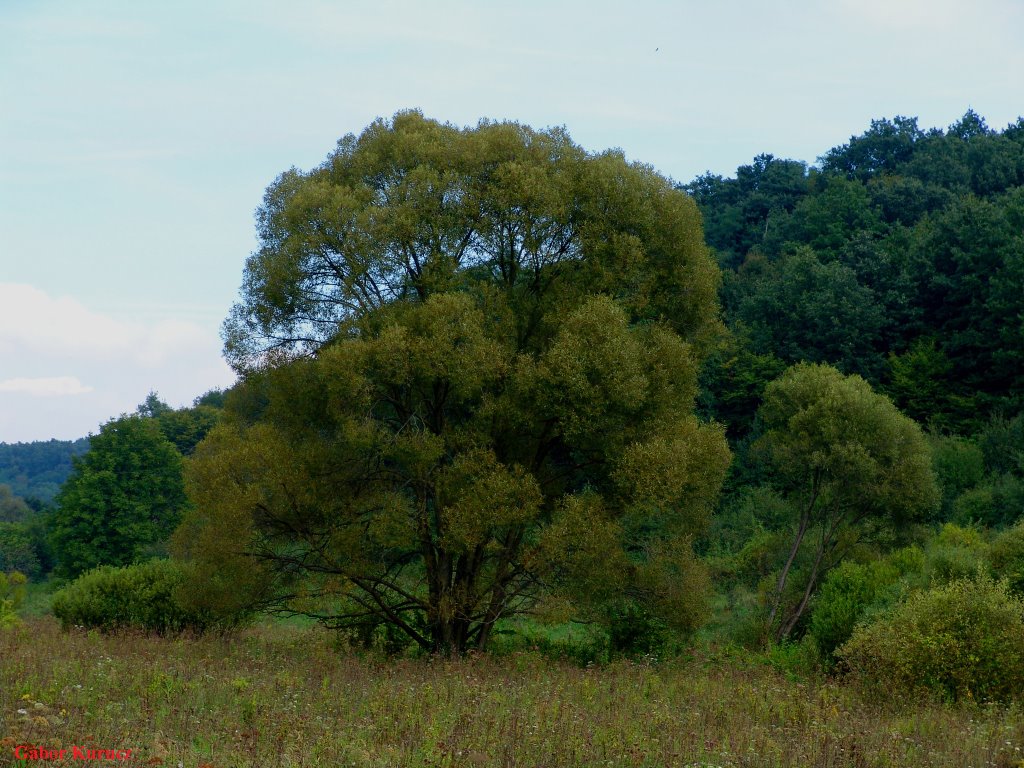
[
  {"x": 1006, "y": 557},
  {"x": 954, "y": 553},
  {"x": 758, "y": 557},
  {"x": 376, "y": 637},
  {"x": 12, "y": 592},
  {"x": 908, "y": 561},
  {"x": 131, "y": 597},
  {"x": 632, "y": 631},
  {"x": 999, "y": 501},
  {"x": 797, "y": 661},
  {"x": 959, "y": 465},
  {"x": 582, "y": 645},
  {"x": 962, "y": 641},
  {"x": 1002, "y": 443},
  {"x": 745, "y": 514},
  {"x": 849, "y": 591}
]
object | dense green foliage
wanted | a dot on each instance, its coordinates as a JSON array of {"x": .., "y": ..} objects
[
  {"x": 847, "y": 594},
  {"x": 37, "y": 470},
  {"x": 1006, "y": 557},
  {"x": 900, "y": 258},
  {"x": 33, "y": 532},
  {"x": 847, "y": 460},
  {"x": 858, "y": 592},
  {"x": 31, "y": 474},
  {"x": 12, "y": 593},
  {"x": 122, "y": 501},
  {"x": 25, "y": 547},
  {"x": 13, "y": 509},
  {"x": 471, "y": 362},
  {"x": 964, "y": 640},
  {"x": 141, "y": 596},
  {"x": 23, "y": 539},
  {"x": 184, "y": 427}
]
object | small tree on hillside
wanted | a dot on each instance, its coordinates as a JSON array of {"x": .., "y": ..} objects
[{"x": 846, "y": 458}]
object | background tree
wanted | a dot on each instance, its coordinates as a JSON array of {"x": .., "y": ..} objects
[
  {"x": 18, "y": 551},
  {"x": 153, "y": 407},
  {"x": 884, "y": 147},
  {"x": 845, "y": 458},
  {"x": 502, "y": 336},
  {"x": 13, "y": 509},
  {"x": 739, "y": 213},
  {"x": 184, "y": 427},
  {"x": 920, "y": 382},
  {"x": 971, "y": 274},
  {"x": 123, "y": 499},
  {"x": 829, "y": 219},
  {"x": 804, "y": 310},
  {"x": 733, "y": 379}
]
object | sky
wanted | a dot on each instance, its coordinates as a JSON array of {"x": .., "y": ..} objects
[{"x": 137, "y": 139}]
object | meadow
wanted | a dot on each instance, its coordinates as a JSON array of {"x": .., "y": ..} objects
[{"x": 286, "y": 695}]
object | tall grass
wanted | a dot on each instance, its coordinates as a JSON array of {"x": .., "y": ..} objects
[{"x": 285, "y": 696}]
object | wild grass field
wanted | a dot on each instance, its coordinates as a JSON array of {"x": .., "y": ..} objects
[{"x": 282, "y": 695}]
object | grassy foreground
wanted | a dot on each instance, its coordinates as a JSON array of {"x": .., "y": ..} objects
[{"x": 283, "y": 696}]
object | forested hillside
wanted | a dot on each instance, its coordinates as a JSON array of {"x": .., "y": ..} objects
[
  {"x": 37, "y": 470},
  {"x": 899, "y": 258}
]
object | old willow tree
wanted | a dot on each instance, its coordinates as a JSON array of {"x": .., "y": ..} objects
[
  {"x": 469, "y": 361},
  {"x": 850, "y": 464}
]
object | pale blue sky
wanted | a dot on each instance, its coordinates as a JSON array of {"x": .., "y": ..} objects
[{"x": 136, "y": 138}]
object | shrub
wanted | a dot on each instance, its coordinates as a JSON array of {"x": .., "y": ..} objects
[
  {"x": 758, "y": 557},
  {"x": 959, "y": 465},
  {"x": 849, "y": 591},
  {"x": 797, "y": 661},
  {"x": 1002, "y": 443},
  {"x": 1006, "y": 557},
  {"x": 962, "y": 641},
  {"x": 12, "y": 592},
  {"x": 375, "y": 636},
  {"x": 954, "y": 553},
  {"x": 997, "y": 502},
  {"x": 131, "y": 597},
  {"x": 633, "y": 631}
]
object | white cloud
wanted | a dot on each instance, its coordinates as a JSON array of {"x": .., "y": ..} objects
[
  {"x": 904, "y": 14},
  {"x": 62, "y": 326},
  {"x": 51, "y": 386},
  {"x": 51, "y": 345}
]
